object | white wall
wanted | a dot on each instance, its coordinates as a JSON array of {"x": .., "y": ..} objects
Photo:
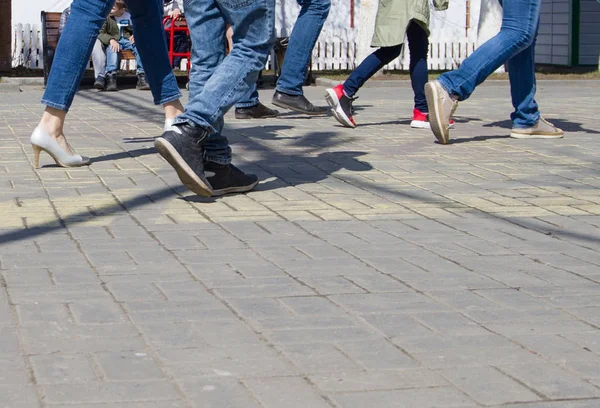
[{"x": 28, "y": 11}]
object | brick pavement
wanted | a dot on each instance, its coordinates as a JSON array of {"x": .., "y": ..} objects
[{"x": 370, "y": 268}]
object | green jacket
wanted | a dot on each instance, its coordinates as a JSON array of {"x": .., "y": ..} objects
[
  {"x": 393, "y": 17},
  {"x": 109, "y": 31}
]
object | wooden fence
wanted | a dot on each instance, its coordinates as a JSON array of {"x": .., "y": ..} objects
[{"x": 330, "y": 53}]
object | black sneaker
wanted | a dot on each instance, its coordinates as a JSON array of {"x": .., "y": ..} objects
[
  {"x": 111, "y": 82},
  {"x": 297, "y": 103},
  {"x": 100, "y": 83},
  {"x": 142, "y": 84},
  {"x": 256, "y": 112},
  {"x": 226, "y": 178},
  {"x": 183, "y": 148}
]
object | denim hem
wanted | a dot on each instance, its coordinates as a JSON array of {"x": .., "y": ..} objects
[
  {"x": 217, "y": 160},
  {"x": 55, "y": 105},
  {"x": 246, "y": 105},
  {"x": 289, "y": 92},
  {"x": 169, "y": 99},
  {"x": 181, "y": 119}
]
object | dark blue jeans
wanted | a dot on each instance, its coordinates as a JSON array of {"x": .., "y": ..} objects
[
  {"x": 515, "y": 44},
  {"x": 78, "y": 39},
  {"x": 302, "y": 41},
  {"x": 418, "y": 45}
]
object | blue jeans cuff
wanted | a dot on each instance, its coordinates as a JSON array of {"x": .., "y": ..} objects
[
  {"x": 55, "y": 105},
  {"x": 246, "y": 104},
  {"x": 289, "y": 92},
  {"x": 169, "y": 99},
  {"x": 218, "y": 159}
]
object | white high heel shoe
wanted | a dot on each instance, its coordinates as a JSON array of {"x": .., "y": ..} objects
[{"x": 41, "y": 140}]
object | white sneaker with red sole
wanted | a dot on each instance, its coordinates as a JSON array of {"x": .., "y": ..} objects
[{"x": 420, "y": 120}]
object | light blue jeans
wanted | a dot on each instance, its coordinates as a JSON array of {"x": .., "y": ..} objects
[
  {"x": 515, "y": 44},
  {"x": 112, "y": 58},
  {"x": 217, "y": 81},
  {"x": 78, "y": 38}
]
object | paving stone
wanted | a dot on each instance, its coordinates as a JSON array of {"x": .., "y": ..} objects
[
  {"x": 63, "y": 369},
  {"x": 13, "y": 371},
  {"x": 489, "y": 386},
  {"x": 552, "y": 381},
  {"x": 128, "y": 366},
  {"x": 423, "y": 398},
  {"x": 98, "y": 392},
  {"x": 43, "y": 312},
  {"x": 368, "y": 270},
  {"x": 242, "y": 361},
  {"x": 218, "y": 392},
  {"x": 292, "y": 392},
  {"x": 377, "y": 380}
]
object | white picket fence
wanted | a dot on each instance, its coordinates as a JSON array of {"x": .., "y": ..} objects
[
  {"x": 331, "y": 53},
  {"x": 27, "y": 46}
]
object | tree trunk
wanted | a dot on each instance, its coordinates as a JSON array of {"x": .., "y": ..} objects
[{"x": 5, "y": 35}]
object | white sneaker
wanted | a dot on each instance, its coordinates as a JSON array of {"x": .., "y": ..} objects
[
  {"x": 542, "y": 130},
  {"x": 441, "y": 108}
]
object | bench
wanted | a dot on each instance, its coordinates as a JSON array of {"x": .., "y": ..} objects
[{"x": 50, "y": 37}]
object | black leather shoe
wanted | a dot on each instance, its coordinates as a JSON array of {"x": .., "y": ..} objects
[
  {"x": 297, "y": 103},
  {"x": 255, "y": 112},
  {"x": 142, "y": 83},
  {"x": 183, "y": 148}
]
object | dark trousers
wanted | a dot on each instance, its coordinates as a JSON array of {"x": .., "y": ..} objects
[{"x": 418, "y": 46}]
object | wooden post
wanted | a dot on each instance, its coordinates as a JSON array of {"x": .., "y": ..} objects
[
  {"x": 5, "y": 35},
  {"x": 467, "y": 17}
]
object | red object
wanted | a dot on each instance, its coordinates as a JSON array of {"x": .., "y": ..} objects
[
  {"x": 352, "y": 13},
  {"x": 178, "y": 24}
]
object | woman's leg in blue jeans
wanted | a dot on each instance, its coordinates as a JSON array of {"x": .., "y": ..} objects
[
  {"x": 519, "y": 26},
  {"x": 369, "y": 67},
  {"x": 418, "y": 45},
  {"x": 151, "y": 45},
  {"x": 74, "y": 50}
]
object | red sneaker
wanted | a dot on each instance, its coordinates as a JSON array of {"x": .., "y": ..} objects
[
  {"x": 420, "y": 120},
  {"x": 341, "y": 105}
]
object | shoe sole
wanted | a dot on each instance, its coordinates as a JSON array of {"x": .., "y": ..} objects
[
  {"x": 417, "y": 124},
  {"x": 231, "y": 190},
  {"x": 336, "y": 109},
  {"x": 535, "y": 136},
  {"x": 185, "y": 173},
  {"x": 437, "y": 125},
  {"x": 293, "y": 108},
  {"x": 99, "y": 87}
]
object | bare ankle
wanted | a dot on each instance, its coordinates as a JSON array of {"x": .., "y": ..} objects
[
  {"x": 52, "y": 121},
  {"x": 173, "y": 109}
]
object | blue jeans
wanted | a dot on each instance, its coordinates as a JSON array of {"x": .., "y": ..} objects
[
  {"x": 112, "y": 58},
  {"x": 217, "y": 81},
  {"x": 302, "y": 41},
  {"x": 418, "y": 45},
  {"x": 515, "y": 44},
  {"x": 78, "y": 38}
]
